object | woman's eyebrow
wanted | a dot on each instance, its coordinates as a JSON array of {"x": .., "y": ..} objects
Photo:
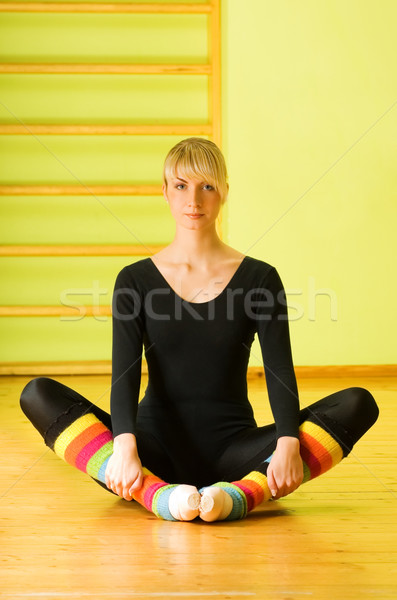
[{"x": 183, "y": 180}]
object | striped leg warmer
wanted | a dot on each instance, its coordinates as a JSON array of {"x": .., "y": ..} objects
[
  {"x": 318, "y": 449},
  {"x": 84, "y": 442},
  {"x": 323, "y": 444},
  {"x": 231, "y": 501}
]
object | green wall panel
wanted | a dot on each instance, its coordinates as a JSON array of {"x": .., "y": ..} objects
[
  {"x": 110, "y": 99},
  {"x": 55, "y": 338},
  {"x": 103, "y": 38},
  {"x": 85, "y": 220},
  {"x": 47, "y": 280}
]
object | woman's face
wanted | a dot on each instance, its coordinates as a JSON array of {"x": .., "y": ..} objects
[{"x": 194, "y": 203}]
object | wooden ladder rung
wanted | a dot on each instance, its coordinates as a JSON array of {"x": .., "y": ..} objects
[
  {"x": 105, "y": 69},
  {"x": 79, "y": 250},
  {"x": 104, "y": 7},
  {"x": 85, "y": 189},
  {"x": 55, "y": 311},
  {"x": 99, "y": 129}
]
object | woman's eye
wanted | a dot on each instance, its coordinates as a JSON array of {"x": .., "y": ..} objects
[{"x": 207, "y": 187}]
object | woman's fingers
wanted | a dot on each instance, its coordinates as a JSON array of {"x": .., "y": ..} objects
[
  {"x": 119, "y": 490},
  {"x": 126, "y": 493},
  {"x": 108, "y": 477},
  {"x": 287, "y": 488},
  {"x": 122, "y": 489},
  {"x": 123, "y": 476},
  {"x": 280, "y": 487},
  {"x": 271, "y": 482},
  {"x": 137, "y": 483},
  {"x": 113, "y": 484}
]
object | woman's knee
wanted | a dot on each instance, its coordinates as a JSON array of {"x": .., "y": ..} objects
[
  {"x": 34, "y": 392},
  {"x": 363, "y": 404}
]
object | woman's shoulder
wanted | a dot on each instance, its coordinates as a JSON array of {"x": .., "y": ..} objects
[
  {"x": 259, "y": 266},
  {"x": 134, "y": 273},
  {"x": 262, "y": 275}
]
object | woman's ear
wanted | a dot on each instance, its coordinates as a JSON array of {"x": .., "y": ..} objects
[
  {"x": 164, "y": 188},
  {"x": 225, "y": 197}
]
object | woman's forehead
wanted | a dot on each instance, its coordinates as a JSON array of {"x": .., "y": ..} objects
[
  {"x": 185, "y": 174},
  {"x": 187, "y": 178}
]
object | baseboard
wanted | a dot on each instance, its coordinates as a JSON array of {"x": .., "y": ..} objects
[
  {"x": 324, "y": 371},
  {"x": 104, "y": 367}
]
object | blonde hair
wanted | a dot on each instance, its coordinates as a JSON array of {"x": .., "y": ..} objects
[{"x": 197, "y": 157}]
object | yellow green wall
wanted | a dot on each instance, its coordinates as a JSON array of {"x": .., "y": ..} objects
[
  {"x": 311, "y": 150},
  {"x": 309, "y": 143}
]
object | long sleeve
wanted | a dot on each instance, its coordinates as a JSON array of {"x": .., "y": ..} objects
[
  {"x": 127, "y": 346},
  {"x": 273, "y": 334}
]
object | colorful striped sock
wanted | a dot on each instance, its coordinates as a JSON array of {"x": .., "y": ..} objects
[
  {"x": 172, "y": 502},
  {"x": 87, "y": 444},
  {"x": 319, "y": 452},
  {"x": 319, "y": 449},
  {"x": 245, "y": 495}
]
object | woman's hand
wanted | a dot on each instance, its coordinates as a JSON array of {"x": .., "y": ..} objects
[
  {"x": 285, "y": 471},
  {"x": 124, "y": 470}
]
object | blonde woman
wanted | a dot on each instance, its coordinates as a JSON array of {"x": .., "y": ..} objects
[{"x": 192, "y": 448}]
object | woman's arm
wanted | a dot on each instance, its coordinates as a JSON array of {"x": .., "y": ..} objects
[
  {"x": 285, "y": 471},
  {"x": 124, "y": 469}
]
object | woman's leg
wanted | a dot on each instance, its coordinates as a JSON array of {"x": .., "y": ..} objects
[
  {"x": 80, "y": 433},
  {"x": 328, "y": 430}
]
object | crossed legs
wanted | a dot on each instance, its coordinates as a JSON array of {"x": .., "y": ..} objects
[{"x": 80, "y": 433}]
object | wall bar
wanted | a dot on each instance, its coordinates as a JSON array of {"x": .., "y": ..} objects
[
  {"x": 80, "y": 190},
  {"x": 79, "y": 250},
  {"x": 108, "y": 69},
  {"x": 104, "y": 7},
  {"x": 55, "y": 129}
]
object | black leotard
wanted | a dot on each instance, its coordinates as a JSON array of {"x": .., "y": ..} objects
[
  {"x": 197, "y": 356},
  {"x": 195, "y": 423}
]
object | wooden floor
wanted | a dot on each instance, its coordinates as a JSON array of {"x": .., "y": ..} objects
[{"x": 63, "y": 536}]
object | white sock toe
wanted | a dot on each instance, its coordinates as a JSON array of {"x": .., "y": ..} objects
[
  {"x": 184, "y": 502},
  {"x": 215, "y": 505}
]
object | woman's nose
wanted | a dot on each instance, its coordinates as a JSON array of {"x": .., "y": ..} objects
[{"x": 194, "y": 197}]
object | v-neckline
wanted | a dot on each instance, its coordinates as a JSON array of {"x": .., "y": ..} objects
[{"x": 208, "y": 301}]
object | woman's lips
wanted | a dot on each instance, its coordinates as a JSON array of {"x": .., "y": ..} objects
[{"x": 194, "y": 216}]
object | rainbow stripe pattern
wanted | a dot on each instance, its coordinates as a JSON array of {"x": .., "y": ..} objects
[
  {"x": 154, "y": 495},
  {"x": 319, "y": 450},
  {"x": 87, "y": 444},
  {"x": 246, "y": 494},
  {"x": 254, "y": 485}
]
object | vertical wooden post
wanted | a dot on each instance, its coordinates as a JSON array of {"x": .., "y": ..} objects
[
  {"x": 214, "y": 52},
  {"x": 214, "y": 82}
]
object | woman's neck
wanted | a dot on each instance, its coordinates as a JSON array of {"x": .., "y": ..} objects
[{"x": 195, "y": 247}]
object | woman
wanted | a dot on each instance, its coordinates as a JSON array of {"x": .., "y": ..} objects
[{"x": 195, "y": 308}]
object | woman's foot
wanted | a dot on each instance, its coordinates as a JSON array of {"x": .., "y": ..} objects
[
  {"x": 215, "y": 504},
  {"x": 184, "y": 502}
]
